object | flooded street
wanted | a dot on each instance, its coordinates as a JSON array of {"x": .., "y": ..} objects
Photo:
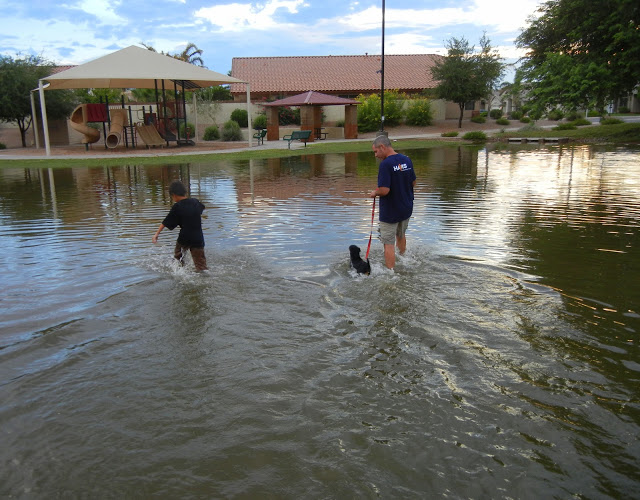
[{"x": 501, "y": 358}]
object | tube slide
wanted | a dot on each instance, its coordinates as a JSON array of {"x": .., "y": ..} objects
[
  {"x": 78, "y": 122},
  {"x": 118, "y": 122}
]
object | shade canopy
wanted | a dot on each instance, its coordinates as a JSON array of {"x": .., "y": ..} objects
[
  {"x": 138, "y": 68},
  {"x": 312, "y": 98}
]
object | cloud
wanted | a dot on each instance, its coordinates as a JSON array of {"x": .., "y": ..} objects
[
  {"x": 102, "y": 10},
  {"x": 239, "y": 17}
]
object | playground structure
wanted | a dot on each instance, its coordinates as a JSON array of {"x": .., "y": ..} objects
[
  {"x": 79, "y": 122},
  {"x": 131, "y": 123},
  {"x": 118, "y": 123}
]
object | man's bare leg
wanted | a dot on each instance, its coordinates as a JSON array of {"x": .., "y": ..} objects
[
  {"x": 389, "y": 256},
  {"x": 401, "y": 243}
]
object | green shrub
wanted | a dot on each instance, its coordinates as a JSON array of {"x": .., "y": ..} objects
[
  {"x": 449, "y": 134},
  {"x": 260, "y": 121},
  {"x": 564, "y": 126},
  {"x": 502, "y": 121},
  {"x": 240, "y": 117},
  {"x": 495, "y": 113},
  {"x": 231, "y": 131},
  {"x": 610, "y": 121},
  {"x": 623, "y": 109},
  {"x": 476, "y": 136},
  {"x": 478, "y": 119},
  {"x": 288, "y": 116},
  {"x": 535, "y": 114},
  {"x": 340, "y": 123},
  {"x": 531, "y": 127},
  {"x": 525, "y": 119},
  {"x": 579, "y": 122},
  {"x": 211, "y": 133},
  {"x": 419, "y": 113},
  {"x": 3, "y": 145},
  {"x": 191, "y": 130},
  {"x": 572, "y": 116},
  {"x": 594, "y": 112},
  {"x": 515, "y": 115},
  {"x": 555, "y": 114},
  {"x": 369, "y": 110}
]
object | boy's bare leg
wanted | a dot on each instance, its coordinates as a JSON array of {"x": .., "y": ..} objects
[
  {"x": 178, "y": 253},
  {"x": 199, "y": 259}
]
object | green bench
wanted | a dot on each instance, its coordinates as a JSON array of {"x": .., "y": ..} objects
[
  {"x": 260, "y": 134},
  {"x": 298, "y": 135}
]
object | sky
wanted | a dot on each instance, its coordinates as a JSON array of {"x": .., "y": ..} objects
[{"x": 76, "y": 31}]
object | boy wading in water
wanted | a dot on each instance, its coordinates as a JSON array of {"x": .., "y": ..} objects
[{"x": 186, "y": 212}]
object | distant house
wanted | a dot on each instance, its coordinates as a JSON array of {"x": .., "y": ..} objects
[{"x": 343, "y": 76}]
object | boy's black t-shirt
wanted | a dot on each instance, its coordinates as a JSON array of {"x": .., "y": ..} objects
[{"x": 186, "y": 214}]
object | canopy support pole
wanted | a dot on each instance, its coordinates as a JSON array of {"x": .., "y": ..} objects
[
  {"x": 249, "y": 113},
  {"x": 45, "y": 124},
  {"x": 34, "y": 120},
  {"x": 195, "y": 112}
]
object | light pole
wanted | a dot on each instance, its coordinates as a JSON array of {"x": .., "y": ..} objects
[{"x": 382, "y": 77}]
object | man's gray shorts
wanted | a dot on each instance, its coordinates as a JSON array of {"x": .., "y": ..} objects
[{"x": 389, "y": 232}]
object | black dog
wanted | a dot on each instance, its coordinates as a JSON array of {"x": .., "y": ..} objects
[{"x": 361, "y": 266}]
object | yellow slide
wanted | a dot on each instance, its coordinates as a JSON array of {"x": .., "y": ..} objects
[
  {"x": 150, "y": 136},
  {"x": 78, "y": 122},
  {"x": 118, "y": 122}
]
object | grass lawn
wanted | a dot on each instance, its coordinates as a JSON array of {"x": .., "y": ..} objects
[
  {"x": 624, "y": 133},
  {"x": 621, "y": 133}
]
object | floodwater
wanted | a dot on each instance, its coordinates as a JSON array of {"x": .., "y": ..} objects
[{"x": 500, "y": 359}]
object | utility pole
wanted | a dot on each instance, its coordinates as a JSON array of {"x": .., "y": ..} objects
[{"x": 382, "y": 77}]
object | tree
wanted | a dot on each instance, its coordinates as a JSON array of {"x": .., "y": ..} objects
[
  {"x": 191, "y": 54},
  {"x": 217, "y": 93},
  {"x": 98, "y": 95},
  {"x": 466, "y": 74},
  {"x": 581, "y": 53},
  {"x": 18, "y": 77}
]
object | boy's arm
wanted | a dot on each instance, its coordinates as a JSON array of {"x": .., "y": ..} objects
[{"x": 155, "y": 236}]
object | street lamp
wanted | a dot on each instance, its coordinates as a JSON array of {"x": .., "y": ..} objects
[{"x": 382, "y": 77}]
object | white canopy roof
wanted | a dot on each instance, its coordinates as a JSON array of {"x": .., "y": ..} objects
[{"x": 135, "y": 67}]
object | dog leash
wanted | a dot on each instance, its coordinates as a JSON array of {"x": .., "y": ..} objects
[{"x": 373, "y": 212}]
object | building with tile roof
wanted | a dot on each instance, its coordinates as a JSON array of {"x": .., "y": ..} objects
[{"x": 344, "y": 76}]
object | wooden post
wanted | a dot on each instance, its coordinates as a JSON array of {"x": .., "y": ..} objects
[
  {"x": 350, "y": 121},
  {"x": 273, "y": 124}
]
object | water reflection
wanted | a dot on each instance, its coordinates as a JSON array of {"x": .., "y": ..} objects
[{"x": 502, "y": 355}]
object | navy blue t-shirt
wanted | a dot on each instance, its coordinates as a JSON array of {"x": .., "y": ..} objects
[
  {"x": 187, "y": 214},
  {"x": 396, "y": 172}
]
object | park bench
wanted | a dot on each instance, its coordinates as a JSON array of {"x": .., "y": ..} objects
[
  {"x": 299, "y": 135},
  {"x": 260, "y": 135},
  {"x": 320, "y": 135}
]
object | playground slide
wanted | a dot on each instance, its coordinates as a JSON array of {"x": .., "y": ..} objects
[
  {"x": 78, "y": 123},
  {"x": 118, "y": 122},
  {"x": 150, "y": 135}
]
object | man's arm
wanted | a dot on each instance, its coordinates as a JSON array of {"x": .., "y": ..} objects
[{"x": 379, "y": 191}]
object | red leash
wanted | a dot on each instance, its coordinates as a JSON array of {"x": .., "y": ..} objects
[{"x": 373, "y": 212}]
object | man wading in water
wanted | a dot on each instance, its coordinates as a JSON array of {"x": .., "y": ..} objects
[{"x": 396, "y": 180}]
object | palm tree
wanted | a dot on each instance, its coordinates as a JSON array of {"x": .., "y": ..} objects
[{"x": 191, "y": 54}]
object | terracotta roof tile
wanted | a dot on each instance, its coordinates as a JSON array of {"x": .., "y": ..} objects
[
  {"x": 333, "y": 74},
  {"x": 60, "y": 69}
]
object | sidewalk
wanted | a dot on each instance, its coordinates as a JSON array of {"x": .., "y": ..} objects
[{"x": 207, "y": 148}]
